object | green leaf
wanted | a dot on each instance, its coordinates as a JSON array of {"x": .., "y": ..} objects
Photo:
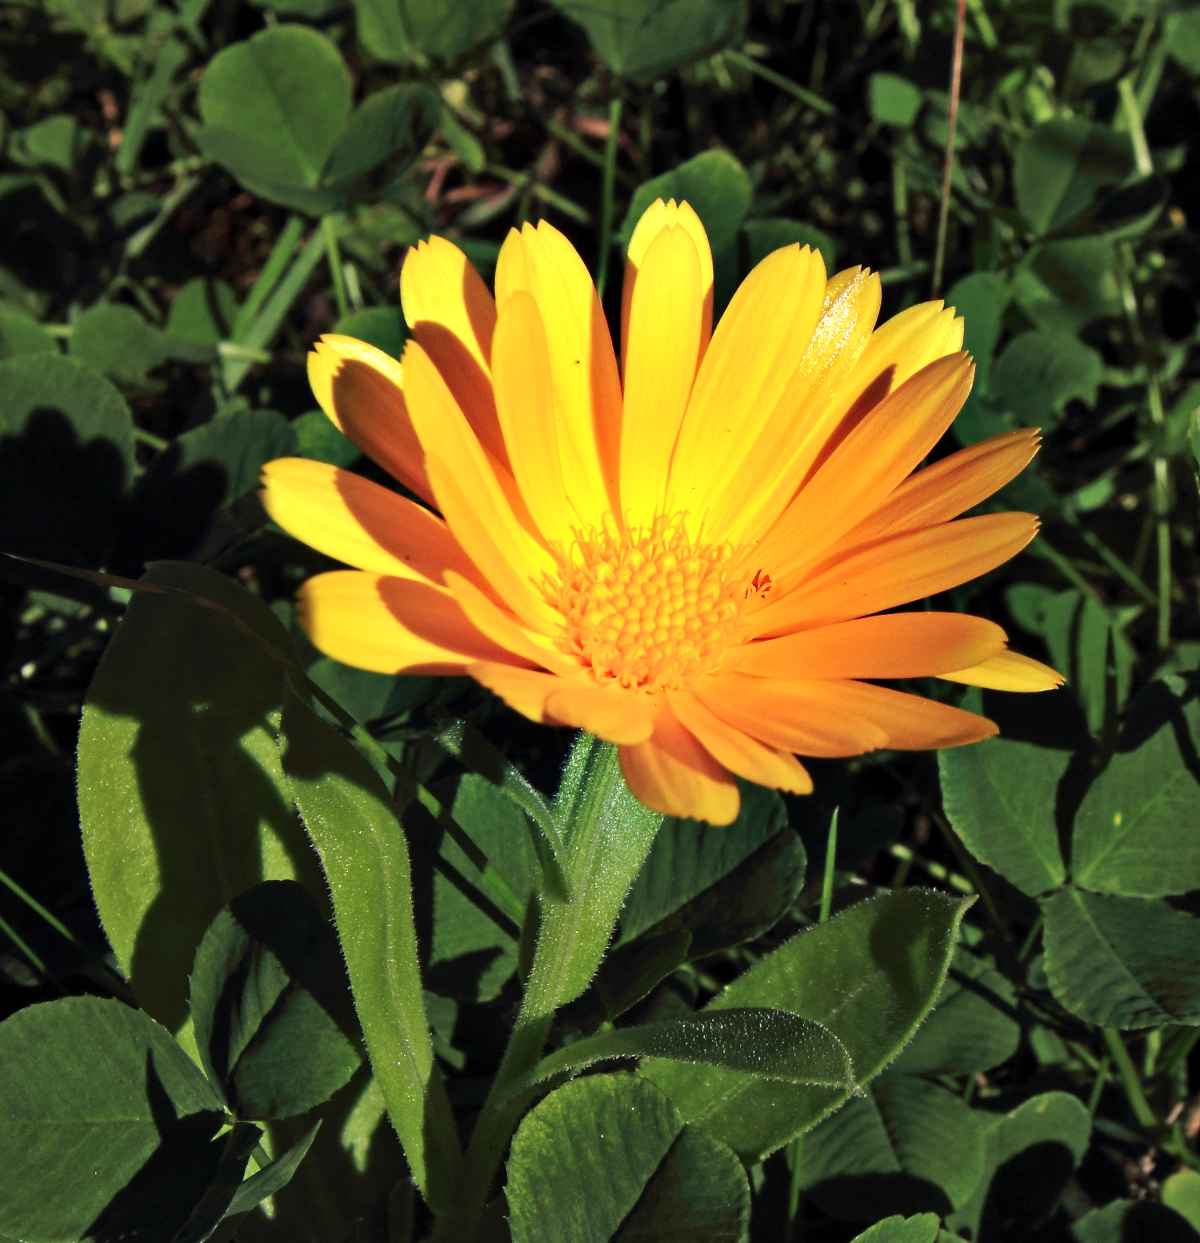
[
  {"x": 1182, "y": 38},
  {"x": 22, "y": 335},
  {"x": 398, "y": 118},
  {"x": 181, "y": 796},
  {"x": 892, "y": 100},
  {"x": 1063, "y": 286},
  {"x": 1127, "y": 1221},
  {"x": 73, "y": 1140},
  {"x": 317, "y": 438},
  {"x": 771, "y": 1044},
  {"x": 1031, "y": 1152},
  {"x": 204, "y": 471},
  {"x": 236, "y": 1147},
  {"x": 646, "y": 1173},
  {"x": 1062, "y": 165},
  {"x": 1122, "y": 962},
  {"x": 725, "y": 888},
  {"x": 1181, "y": 1192},
  {"x": 272, "y": 1178},
  {"x": 381, "y": 326},
  {"x": 419, "y": 31},
  {"x": 909, "y": 1146},
  {"x": 981, "y": 299},
  {"x": 365, "y": 856},
  {"x": 1000, "y": 795},
  {"x": 66, "y": 459},
  {"x": 1040, "y": 371},
  {"x": 116, "y": 340},
  {"x": 870, "y": 975},
  {"x": 922, "y": 1228},
  {"x": 645, "y": 39},
  {"x": 266, "y": 996},
  {"x": 1127, "y": 836},
  {"x": 971, "y": 1028},
  {"x": 714, "y": 183},
  {"x": 273, "y": 108},
  {"x": 770, "y": 233},
  {"x": 202, "y": 312}
]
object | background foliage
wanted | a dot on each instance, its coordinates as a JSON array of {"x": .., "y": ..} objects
[{"x": 190, "y": 193}]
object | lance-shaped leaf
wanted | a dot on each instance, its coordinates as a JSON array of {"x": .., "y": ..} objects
[{"x": 365, "y": 856}]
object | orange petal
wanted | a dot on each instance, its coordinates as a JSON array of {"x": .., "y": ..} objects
[
  {"x": 1008, "y": 671},
  {"x": 525, "y": 690},
  {"x": 759, "y": 490},
  {"x": 665, "y": 339},
  {"x": 587, "y": 390},
  {"x": 468, "y": 492},
  {"x": 390, "y": 625},
  {"x": 504, "y": 629},
  {"x": 525, "y": 400},
  {"x": 656, "y": 219},
  {"x": 792, "y": 715},
  {"x": 873, "y": 459},
  {"x": 359, "y": 388},
  {"x": 672, "y": 773},
  {"x": 953, "y": 485},
  {"x": 756, "y": 349},
  {"x": 898, "y": 569},
  {"x": 358, "y": 522},
  {"x": 609, "y": 712},
  {"x": 910, "y": 722},
  {"x": 893, "y": 645},
  {"x": 451, "y": 313},
  {"x": 736, "y": 750}
]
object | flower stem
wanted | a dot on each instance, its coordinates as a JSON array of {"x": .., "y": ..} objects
[
  {"x": 607, "y": 191},
  {"x": 608, "y": 835}
]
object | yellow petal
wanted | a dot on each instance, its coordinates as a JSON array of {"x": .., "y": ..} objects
[
  {"x": 525, "y": 400},
  {"x": 953, "y": 485},
  {"x": 469, "y": 495},
  {"x": 898, "y": 569},
  {"x": 757, "y": 492},
  {"x": 660, "y": 217},
  {"x": 358, "y": 522},
  {"x": 873, "y": 459},
  {"x": 451, "y": 313},
  {"x": 587, "y": 391},
  {"x": 893, "y": 645},
  {"x": 525, "y": 690},
  {"x": 665, "y": 337},
  {"x": 359, "y": 387},
  {"x": 736, "y": 750},
  {"x": 757, "y": 347},
  {"x": 504, "y": 629},
  {"x": 1008, "y": 671},
  {"x": 792, "y": 715},
  {"x": 390, "y": 625},
  {"x": 910, "y": 722},
  {"x": 672, "y": 773}
]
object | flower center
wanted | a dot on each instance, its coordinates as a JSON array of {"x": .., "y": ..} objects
[{"x": 647, "y": 607}]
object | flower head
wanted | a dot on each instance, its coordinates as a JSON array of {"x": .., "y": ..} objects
[{"x": 688, "y": 553}]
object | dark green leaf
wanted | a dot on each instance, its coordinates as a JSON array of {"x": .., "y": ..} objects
[
  {"x": 766, "y": 235},
  {"x": 418, "y": 31},
  {"x": 724, "y": 887},
  {"x": 714, "y": 183},
  {"x": 1000, "y": 797},
  {"x": 1064, "y": 285},
  {"x": 181, "y": 796},
  {"x": 981, "y": 299},
  {"x": 272, "y": 1178},
  {"x": 1182, "y": 38},
  {"x": 1061, "y": 167},
  {"x": 1133, "y": 1221},
  {"x": 1039, "y": 372},
  {"x": 71, "y": 1139},
  {"x": 116, "y": 340},
  {"x": 870, "y": 975},
  {"x": 647, "y": 1175},
  {"x": 365, "y": 856},
  {"x": 909, "y": 1146},
  {"x": 66, "y": 459},
  {"x": 317, "y": 438},
  {"x": 1124, "y": 962},
  {"x": 644, "y": 39},
  {"x": 21, "y": 335},
  {"x": 1181, "y": 1192},
  {"x": 381, "y": 326},
  {"x": 399, "y": 119},
  {"x": 269, "y": 1004},
  {"x": 202, "y": 312},
  {"x": 1128, "y": 837},
  {"x": 920, "y": 1229}
]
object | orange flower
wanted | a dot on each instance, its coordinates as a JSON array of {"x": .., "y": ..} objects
[{"x": 689, "y": 554}]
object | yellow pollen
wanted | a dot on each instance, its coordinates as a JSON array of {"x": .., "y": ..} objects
[{"x": 647, "y": 608}]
